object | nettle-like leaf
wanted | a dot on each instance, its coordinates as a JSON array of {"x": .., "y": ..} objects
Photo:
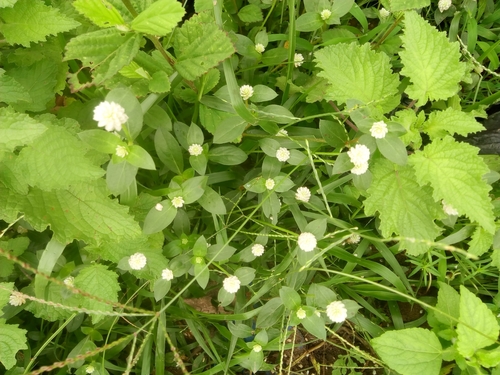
[
  {"x": 101, "y": 12},
  {"x": 430, "y": 61},
  {"x": 7, "y": 3},
  {"x": 104, "y": 51},
  {"x": 451, "y": 121},
  {"x": 159, "y": 18},
  {"x": 17, "y": 129},
  {"x": 5, "y": 293},
  {"x": 454, "y": 170},
  {"x": 12, "y": 340},
  {"x": 399, "y": 5},
  {"x": 481, "y": 242},
  {"x": 357, "y": 72},
  {"x": 405, "y": 208},
  {"x": 98, "y": 281},
  {"x": 12, "y": 91},
  {"x": 32, "y": 21}
]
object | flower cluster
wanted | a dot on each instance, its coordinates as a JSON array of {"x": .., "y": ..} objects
[
  {"x": 303, "y": 194},
  {"x": 449, "y": 209},
  {"x": 325, "y": 14},
  {"x": 359, "y": 155},
  {"x": 258, "y": 250},
  {"x": 167, "y": 274},
  {"x": 17, "y": 299},
  {"x": 270, "y": 184},
  {"x": 384, "y": 13},
  {"x": 177, "y": 202},
  {"x": 69, "y": 281},
  {"x": 231, "y": 284},
  {"x": 282, "y": 154},
  {"x": 246, "y": 92},
  {"x": 444, "y": 5},
  {"x": 336, "y": 311},
  {"x": 301, "y": 313},
  {"x": 110, "y": 116},
  {"x": 307, "y": 242},
  {"x": 379, "y": 129},
  {"x": 195, "y": 149},
  {"x": 259, "y": 47},
  {"x": 137, "y": 261},
  {"x": 121, "y": 151},
  {"x": 298, "y": 59}
]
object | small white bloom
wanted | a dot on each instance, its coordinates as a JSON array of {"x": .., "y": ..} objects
[
  {"x": 137, "y": 261},
  {"x": 379, "y": 129},
  {"x": 444, "y": 5},
  {"x": 158, "y": 207},
  {"x": 449, "y": 209},
  {"x": 257, "y": 250},
  {"x": 195, "y": 149},
  {"x": 167, "y": 274},
  {"x": 359, "y": 154},
  {"x": 282, "y": 133},
  {"x": 198, "y": 260},
  {"x": 257, "y": 348},
  {"x": 360, "y": 168},
  {"x": 231, "y": 284},
  {"x": 336, "y": 311},
  {"x": 353, "y": 239},
  {"x": 246, "y": 92},
  {"x": 177, "y": 202},
  {"x": 282, "y": 154},
  {"x": 301, "y": 313},
  {"x": 121, "y": 151},
  {"x": 90, "y": 369},
  {"x": 17, "y": 299},
  {"x": 307, "y": 241},
  {"x": 384, "y": 13},
  {"x": 317, "y": 313},
  {"x": 298, "y": 59},
  {"x": 110, "y": 116},
  {"x": 303, "y": 194},
  {"x": 69, "y": 281},
  {"x": 325, "y": 14},
  {"x": 269, "y": 184},
  {"x": 259, "y": 47}
]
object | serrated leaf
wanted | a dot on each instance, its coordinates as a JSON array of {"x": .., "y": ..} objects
[
  {"x": 32, "y": 21},
  {"x": 413, "y": 351},
  {"x": 159, "y": 82},
  {"x": 100, "y": 12},
  {"x": 405, "y": 208},
  {"x": 159, "y": 18},
  {"x": 98, "y": 281},
  {"x": 12, "y": 340},
  {"x": 451, "y": 121},
  {"x": 430, "y": 61},
  {"x": 7, "y": 3},
  {"x": 5, "y": 290},
  {"x": 357, "y": 72},
  {"x": 454, "y": 170},
  {"x": 481, "y": 242},
  {"x": 17, "y": 129},
  {"x": 399, "y": 5},
  {"x": 448, "y": 303},
  {"x": 12, "y": 91},
  {"x": 475, "y": 314}
]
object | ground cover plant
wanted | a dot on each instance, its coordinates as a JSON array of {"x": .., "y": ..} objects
[{"x": 239, "y": 187}]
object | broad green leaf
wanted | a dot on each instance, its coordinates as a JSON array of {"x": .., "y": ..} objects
[
  {"x": 393, "y": 149},
  {"x": 405, "y": 208},
  {"x": 357, "y": 72},
  {"x": 17, "y": 129},
  {"x": 399, "y": 5},
  {"x": 320, "y": 296},
  {"x": 451, "y": 121},
  {"x": 12, "y": 91},
  {"x": 159, "y": 18},
  {"x": 454, "y": 170},
  {"x": 250, "y": 13},
  {"x": 481, "y": 242},
  {"x": 229, "y": 130},
  {"x": 220, "y": 252},
  {"x": 488, "y": 358},
  {"x": 101, "y": 12},
  {"x": 310, "y": 21},
  {"x": 262, "y": 94},
  {"x": 100, "y": 282},
  {"x": 430, "y": 61},
  {"x": 270, "y": 313},
  {"x": 484, "y": 327},
  {"x": 245, "y": 275},
  {"x": 449, "y": 303},
  {"x": 168, "y": 150},
  {"x": 212, "y": 202},
  {"x": 290, "y": 298},
  {"x": 100, "y": 140},
  {"x": 412, "y": 124},
  {"x": 5, "y": 293},
  {"x": 32, "y": 21},
  {"x": 315, "y": 325},
  {"x": 119, "y": 176},
  {"x": 12, "y": 340},
  {"x": 413, "y": 351},
  {"x": 159, "y": 219},
  {"x": 227, "y": 155},
  {"x": 194, "y": 188},
  {"x": 104, "y": 51},
  {"x": 333, "y": 132},
  {"x": 7, "y": 3},
  {"x": 10, "y": 204},
  {"x": 161, "y": 288},
  {"x": 140, "y": 158},
  {"x": 159, "y": 82}
]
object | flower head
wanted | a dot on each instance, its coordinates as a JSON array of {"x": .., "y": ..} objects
[
  {"x": 282, "y": 133},
  {"x": 336, "y": 311},
  {"x": 384, "y": 13},
  {"x": 257, "y": 348},
  {"x": 121, "y": 151},
  {"x": 17, "y": 299},
  {"x": 359, "y": 154},
  {"x": 270, "y": 184},
  {"x": 379, "y": 129},
  {"x": 303, "y": 194},
  {"x": 282, "y": 154},
  {"x": 167, "y": 274},
  {"x": 444, "y": 5},
  {"x": 246, "y": 92},
  {"x": 69, "y": 281},
  {"x": 301, "y": 313},
  {"x": 110, "y": 116},
  {"x": 325, "y": 14},
  {"x": 158, "y": 207},
  {"x": 360, "y": 168},
  {"x": 137, "y": 261},
  {"x": 307, "y": 242},
  {"x": 259, "y": 47},
  {"x": 449, "y": 209},
  {"x": 90, "y": 369},
  {"x": 231, "y": 284},
  {"x": 177, "y": 202},
  {"x": 257, "y": 250},
  {"x": 353, "y": 239},
  {"x": 298, "y": 59},
  {"x": 195, "y": 149}
]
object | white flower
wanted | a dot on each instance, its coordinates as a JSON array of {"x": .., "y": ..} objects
[
  {"x": 158, "y": 207},
  {"x": 177, "y": 202},
  {"x": 198, "y": 260},
  {"x": 336, "y": 311},
  {"x": 359, "y": 154},
  {"x": 231, "y": 284},
  {"x": 303, "y": 194},
  {"x": 69, "y": 281},
  {"x": 195, "y": 149},
  {"x": 246, "y": 92},
  {"x": 269, "y": 184},
  {"x": 449, "y": 209},
  {"x": 444, "y": 5},
  {"x": 384, "y": 13},
  {"x": 110, "y": 116},
  {"x": 307, "y": 241},
  {"x": 360, "y": 168},
  {"x": 317, "y": 313},
  {"x": 137, "y": 261},
  {"x": 90, "y": 369},
  {"x": 298, "y": 59},
  {"x": 257, "y": 250},
  {"x": 121, "y": 151},
  {"x": 301, "y": 313},
  {"x": 17, "y": 299},
  {"x": 353, "y": 239},
  {"x": 325, "y": 14},
  {"x": 379, "y": 129},
  {"x": 282, "y": 133},
  {"x": 259, "y": 47},
  {"x": 257, "y": 348},
  {"x": 282, "y": 154},
  {"x": 167, "y": 274}
]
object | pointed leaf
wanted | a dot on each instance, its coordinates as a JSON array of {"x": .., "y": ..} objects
[
  {"x": 159, "y": 18},
  {"x": 12, "y": 340},
  {"x": 451, "y": 121},
  {"x": 12, "y": 91},
  {"x": 101, "y": 12},
  {"x": 448, "y": 303},
  {"x": 168, "y": 150},
  {"x": 140, "y": 158},
  {"x": 157, "y": 220},
  {"x": 393, "y": 149},
  {"x": 481, "y": 242},
  {"x": 17, "y": 129}
]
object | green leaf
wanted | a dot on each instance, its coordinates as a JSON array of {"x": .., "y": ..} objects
[
  {"x": 17, "y": 129},
  {"x": 430, "y": 61},
  {"x": 405, "y": 208},
  {"x": 307, "y": 22},
  {"x": 448, "y": 303},
  {"x": 262, "y": 93},
  {"x": 194, "y": 188},
  {"x": 220, "y": 252},
  {"x": 157, "y": 220},
  {"x": 315, "y": 325},
  {"x": 320, "y": 296},
  {"x": 98, "y": 281},
  {"x": 212, "y": 202},
  {"x": 481, "y": 242},
  {"x": 5, "y": 293},
  {"x": 161, "y": 288},
  {"x": 159, "y": 82},
  {"x": 245, "y": 275},
  {"x": 7, "y": 3},
  {"x": 451, "y": 121},
  {"x": 413, "y": 351},
  {"x": 229, "y": 130},
  {"x": 119, "y": 176},
  {"x": 159, "y": 18},
  {"x": 399, "y": 5},
  {"x": 270, "y": 313},
  {"x": 126, "y": 98},
  {"x": 227, "y": 155},
  {"x": 488, "y": 358},
  {"x": 100, "y": 140},
  {"x": 333, "y": 132},
  {"x": 454, "y": 170},
  {"x": 393, "y": 149},
  {"x": 202, "y": 274},
  {"x": 168, "y": 150},
  {"x": 250, "y": 13},
  {"x": 12, "y": 91},
  {"x": 32, "y": 21},
  {"x": 357, "y": 72},
  {"x": 101, "y": 12},
  {"x": 48, "y": 260},
  {"x": 484, "y": 327},
  {"x": 290, "y": 298},
  {"x": 140, "y": 158},
  {"x": 12, "y": 340}
]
